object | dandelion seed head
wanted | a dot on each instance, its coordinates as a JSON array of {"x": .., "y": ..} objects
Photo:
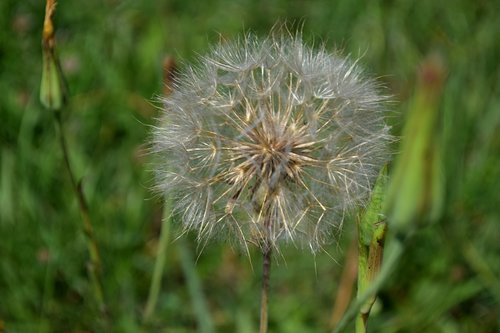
[{"x": 269, "y": 140}]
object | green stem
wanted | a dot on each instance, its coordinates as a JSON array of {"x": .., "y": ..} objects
[
  {"x": 369, "y": 262},
  {"x": 393, "y": 252},
  {"x": 362, "y": 280},
  {"x": 154, "y": 289},
  {"x": 94, "y": 266},
  {"x": 194, "y": 286}
]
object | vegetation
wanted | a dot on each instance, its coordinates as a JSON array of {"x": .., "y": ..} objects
[{"x": 112, "y": 54}]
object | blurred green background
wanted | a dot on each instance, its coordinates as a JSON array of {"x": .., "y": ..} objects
[{"x": 112, "y": 53}]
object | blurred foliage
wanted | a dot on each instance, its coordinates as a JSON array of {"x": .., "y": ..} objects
[{"x": 111, "y": 52}]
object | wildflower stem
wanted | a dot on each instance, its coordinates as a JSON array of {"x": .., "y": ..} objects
[
  {"x": 94, "y": 265},
  {"x": 195, "y": 288},
  {"x": 161, "y": 256},
  {"x": 266, "y": 271},
  {"x": 392, "y": 254},
  {"x": 154, "y": 289},
  {"x": 370, "y": 260}
]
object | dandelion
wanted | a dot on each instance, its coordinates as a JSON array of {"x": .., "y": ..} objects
[{"x": 268, "y": 140}]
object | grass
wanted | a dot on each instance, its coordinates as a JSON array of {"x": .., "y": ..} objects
[{"x": 112, "y": 53}]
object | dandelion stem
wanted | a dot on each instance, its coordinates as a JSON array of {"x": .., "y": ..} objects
[
  {"x": 266, "y": 271},
  {"x": 94, "y": 265}
]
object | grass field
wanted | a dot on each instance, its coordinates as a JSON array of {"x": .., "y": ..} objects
[{"x": 112, "y": 53}]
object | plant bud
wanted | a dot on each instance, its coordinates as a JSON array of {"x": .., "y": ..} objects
[{"x": 416, "y": 187}]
